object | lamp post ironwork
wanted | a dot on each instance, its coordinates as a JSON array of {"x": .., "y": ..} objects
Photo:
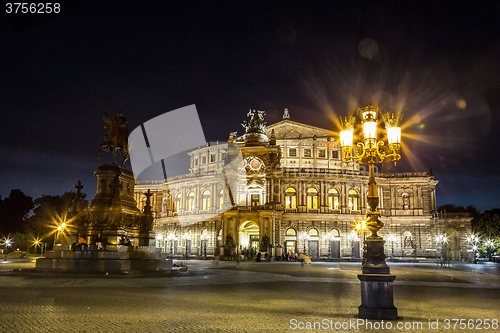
[{"x": 376, "y": 281}]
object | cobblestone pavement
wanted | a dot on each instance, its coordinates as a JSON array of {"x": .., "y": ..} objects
[{"x": 253, "y": 297}]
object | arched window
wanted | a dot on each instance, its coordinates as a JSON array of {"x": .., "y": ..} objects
[
  {"x": 290, "y": 198},
  {"x": 291, "y": 232},
  {"x": 313, "y": 233},
  {"x": 190, "y": 201},
  {"x": 333, "y": 199},
  {"x": 312, "y": 198},
  {"x": 335, "y": 233},
  {"x": 353, "y": 200},
  {"x": 221, "y": 199},
  {"x": 177, "y": 202},
  {"x": 205, "y": 200}
]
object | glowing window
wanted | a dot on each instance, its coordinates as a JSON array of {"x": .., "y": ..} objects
[
  {"x": 205, "y": 200},
  {"x": 177, "y": 202},
  {"x": 291, "y": 232},
  {"x": 353, "y": 200},
  {"x": 190, "y": 201},
  {"x": 333, "y": 199},
  {"x": 290, "y": 198},
  {"x": 221, "y": 199},
  {"x": 313, "y": 232},
  {"x": 312, "y": 198}
]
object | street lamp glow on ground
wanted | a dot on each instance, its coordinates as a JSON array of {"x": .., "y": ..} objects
[{"x": 376, "y": 281}]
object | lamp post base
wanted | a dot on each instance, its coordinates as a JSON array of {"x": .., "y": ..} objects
[{"x": 377, "y": 300}]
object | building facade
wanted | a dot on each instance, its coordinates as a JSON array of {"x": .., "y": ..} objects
[{"x": 293, "y": 194}]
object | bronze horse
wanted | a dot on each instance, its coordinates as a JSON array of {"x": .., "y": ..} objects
[{"x": 116, "y": 137}]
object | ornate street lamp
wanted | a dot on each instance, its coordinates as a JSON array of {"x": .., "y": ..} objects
[{"x": 376, "y": 281}]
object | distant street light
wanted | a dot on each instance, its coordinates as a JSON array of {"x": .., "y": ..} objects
[
  {"x": 304, "y": 236},
  {"x": 7, "y": 242},
  {"x": 473, "y": 240},
  {"x": 489, "y": 245},
  {"x": 392, "y": 238},
  {"x": 171, "y": 238},
  {"x": 361, "y": 228},
  {"x": 60, "y": 228},
  {"x": 440, "y": 241},
  {"x": 204, "y": 237}
]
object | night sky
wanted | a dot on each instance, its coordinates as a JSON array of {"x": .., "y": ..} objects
[{"x": 437, "y": 61}]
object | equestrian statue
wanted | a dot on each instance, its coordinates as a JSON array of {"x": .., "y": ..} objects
[{"x": 115, "y": 137}]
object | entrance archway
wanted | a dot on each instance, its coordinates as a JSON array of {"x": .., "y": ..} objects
[{"x": 249, "y": 235}]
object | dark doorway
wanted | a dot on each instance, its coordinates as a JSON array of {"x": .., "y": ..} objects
[
  {"x": 335, "y": 249},
  {"x": 203, "y": 247},
  {"x": 355, "y": 250},
  {"x": 313, "y": 249}
]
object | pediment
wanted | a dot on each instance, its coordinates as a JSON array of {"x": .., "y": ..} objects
[{"x": 288, "y": 129}]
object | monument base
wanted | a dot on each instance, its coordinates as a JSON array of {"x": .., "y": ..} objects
[
  {"x": 120, "y": 260},
  {"x": 377, "y": 299}
]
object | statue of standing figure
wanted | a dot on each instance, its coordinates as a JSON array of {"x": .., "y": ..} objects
[{"x": 115, "y": 137}]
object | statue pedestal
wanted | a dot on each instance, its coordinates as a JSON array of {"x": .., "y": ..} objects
[
  {"x": 377, "y": 297},
  {"x": 113, "y": 212}
]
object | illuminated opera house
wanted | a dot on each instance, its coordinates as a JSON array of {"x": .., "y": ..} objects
[{"x": 294, "y": 194}]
